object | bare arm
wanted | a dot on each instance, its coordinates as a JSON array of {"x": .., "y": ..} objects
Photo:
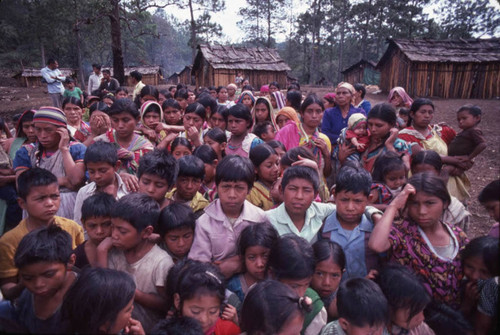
[
  {"x": 479, "y": 148},
  {"x": 10, "y": 288},
  {"x": 75, "y": 172}
]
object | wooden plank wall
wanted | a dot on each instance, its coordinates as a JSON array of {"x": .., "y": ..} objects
[
  {"x": 355, "y": 76},
  {"x": 223, "y": 77}
]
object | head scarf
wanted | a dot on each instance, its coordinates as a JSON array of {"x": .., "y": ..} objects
[
  {"x": 264, "y": 89},
  {"x": 402, "y": 93},
  {"x": 240, "y": 99},
  {"x": 346, "y": 85},
  {"x": 330, "y": 97},
  {"x": 356, "y": 120},
  {"x": 280, "y": 99},
  {"x": 290, "y": 113},
  {"x": 272, "y": 116},
  {"x": 51, "y": 115},
  {"x": 144, "y": 109}
]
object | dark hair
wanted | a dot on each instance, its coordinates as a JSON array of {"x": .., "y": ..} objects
[
  {"x": 136, "y": 75},
  {"x": 176, "y": 325},
  {"x": 212, "y": 88},
  {"x": 218, "y": 89},
  {"x": 73, "y": 101},
  {"x": 386, "y": 163},
  {"x": 170, "y": 88},
  {"x": 405, "y": 111},
  {"x": 431, "y": 184},
  {"x": 208, "y": 101},
  {"x": 268, "y": 305},
  {"x": 34, "y": 177},
  {"x": 101, "y": 152},
  {"x": 360, "y": 88},
  {"x": 49, "y": 244},
  {"x": 444, "y": 320},
  {"x": 276, "y": 144},
  {"x": 197, "y": 109},
  {"x": 172, "y": 279},
  {"x": 402, "y": 290},
  {"x": 205, "y": 153},
  {"x": 159, "y": 163},
  {"x": 294, "y": 86},
  {"x": 260, "y": 153},
  {"x": 384, "y": 112},
  {"x": 291, "y": 257},
  {"x": 417, "y": 103},
  {"x": 149, "y": 90},
  {"x": 121, "y": 89},
  {"x": 240, "y": 111},
  {"x": 292, "y": 155},
  {"x": 260, "y": 234},
  {"x": 171, "y": 103},
  {"x": 191, "y": 166},
  {"x": 274, "y": 83},
  {"x": 353, "y": 178},
  {"x": 111, "y": 97},
  {"x": 427, "y": 157},
  {"x": 69, "y": 80},
  {"x": 490, "y": 192},
  {"x": 106, "y": 71},
  {"x": 217, "y": 134},
  {"x": 182, "y": 141},
  {"x": 138, "y": 209},
  {"x": 485, "y": 247},
  {"x": 235, "y": 168},
  {"x": 247, "y": 88},
  {"x": 301, "y": 172},
  {"x": 472, "y": 109},
  {"x": 97, "y": 205},
  {"x": 124, "y": 106},
  {"x": 27, "y": 116},
  {"x": 175, "y": 216},
  {"x": 181, "y": 93},
  {"x": 266, "y": 102},
  {"x": 294, "y": 98},
  {"x": 51, "y": 61},
  {"x": 96, "y": 298},
  {"x": 97, "y": 66},
  {"x": 326, "y": 249},
  {"x": 361, "y": 302},
  {"x": 165, "y": 93},
  {"x": 261, "y": 128},
  {"x": 99, "y": 106}
]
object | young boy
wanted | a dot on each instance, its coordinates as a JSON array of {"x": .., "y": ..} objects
[
  {"x": 157, "y": 174},
  {"x": 102, "y": 165},
  {"x": 96, "y": 219},
  {"x": 176, "y": 229},
  {"x": 189, "y": 179},
  {"x": 491, "y": 202},
  {"x": 38, "y": 192},
  {"x": 362, "y": 309},
  {"x": 218, "y": 229},
  {"x": 264, "y": 131},
  {"x": 129, "y": 249},
  {"x": 43, "y": 258},
  {"x": 72, "y": 91}
]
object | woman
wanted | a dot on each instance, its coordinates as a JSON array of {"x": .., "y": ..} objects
[
  {"x": 285, "y": 116},
  {"x": 359, "y": 98},
  {"x": 329, "y": 100},
  {"x": 399, "y": 98},
  {"x": 72, "y": 108}
]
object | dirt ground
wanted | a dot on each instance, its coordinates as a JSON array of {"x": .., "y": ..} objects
[{"x": 486, "y": 168}]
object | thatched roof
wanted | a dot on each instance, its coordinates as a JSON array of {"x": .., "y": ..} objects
[
  {"x": 452, "y": 51},
  {"x": 357, "y": 64},
  {"x": 240, "y": 58},
  {"x": 36, "y": 72}
]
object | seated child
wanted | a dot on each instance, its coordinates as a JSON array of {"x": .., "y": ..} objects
[
  {"x": 357, "y": 132},
  {"x": 38, "y": 192},
  {"x": 267, "y": 169},
  {"x": 189, "y": 178},
  {"x": 134, "y": 218},
  {"x": 218, "y": 229},
  {"x": 44, "y": 258},
  {"x": 217, "y": 139},
  {"x": 96, "y": 219},
  {"x": 389, "y": 177},
  {"x": 176, "y": 229},
  {"x": 489, "y": 199},
  {"x": 102, "y": 164},
  {"x": 210, "y": 160},
  {"x": 362, "y": 309},
  {"x": 239, "y": 122},
  {"x": 157, "y": 173},
  {"x": 265, "y": 131}
]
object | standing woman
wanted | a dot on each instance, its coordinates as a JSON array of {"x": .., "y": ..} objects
[
  {"x": 73, "y": 109},
  {"x": 56, "y": 152}
]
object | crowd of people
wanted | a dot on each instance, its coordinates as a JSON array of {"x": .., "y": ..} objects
[{"x": 226, "y": 210}]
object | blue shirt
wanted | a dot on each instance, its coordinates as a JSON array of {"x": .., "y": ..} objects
[{"x": 333, "y": 122}]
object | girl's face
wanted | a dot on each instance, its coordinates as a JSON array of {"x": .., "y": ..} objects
[
  {"x": 172, "y": 115},
  {"x": 256, "y": 260},
  {"x": 47, "y": 135},
  {"x": 192, "y": 120},
  {"x": 378, "y": 128},
  {"x": 396, "y": 100},
  {"x": 280, "y": 152},
  {"x": 204, "y": 308},
  {"x": 73, "y": 113},
  {"x": 237, "y": 126},
  {"x": 122, "y": 320},
  {"x": 343, "y": 96},
  {"x": 474, "y": 268},
  {"x": 293, "y": 325},
  {"x": 121, "y": 95},
  {"x": 151, "y": 119},
  {"x": 268, "y": 171},
  {"x": 261, "y": 112},
  {"x": 395, "y": 179},
  {"x": 326, "y": 277},
  {"x": 282, "y": 120},
  {"x": 400, "y": 318},
  {"x": 273, "y": 102},
  {"x": 218, "y": 121},
  {"x": 124, "y": 125},
  {"x": 425, "y": 209},
  {"x": 181, "y": 151},
  {"x": 312, "y": 115},
  {"x": 218, "y": 147},
  {"x": 419, "y": 168},
  {"x": 423, "y": 116},
  {"x": 222, "y": 95},
  {"x": 108, "y": 101},
  {"x": 191, "y": 97},
  {"x": 29, "y": 130},
  {"x": 247, "y": 101}
]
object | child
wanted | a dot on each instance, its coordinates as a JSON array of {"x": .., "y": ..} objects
[
  {"x": 246, "y": 98},
  {"x": 96, "y": 217},
  {"x": 291, "y": 261},
  {"x": 189, "y": 178},
  {"x": 157, "y": 174},
  {"x": 489, "y": 199},
  {"x": 330, "y": 265},
  {"x": 72, "y": 91},
  {"x": 278, "y": 147},
  {"x": 263, "y": 111},
  {"x": 218, "y": 229},
  {"x": 213, "y": 91},
  {"x": 38, "y": 192},
  {"x": 181, "y": 147},
  {"x": 265, "y": 131},
  {"x": 134, "y": 218},
  {"x": 148, "y": 93},
  {"x": 176, "y": 229},
  {"x": 193, "y": 119},
  {"x": 362, "y": 309},
  {"x": 172, "y": 112},
  {"x": 404, "y": 118},
  {"x": 239, "y": 122},
  {"x": 210, "y": 160},
  {"x": 267, "y": 168},
  {"x": 44, "y": 258},
  {"x": 121, "y": 93},
  {"x": 151, "y": 116},
  {"x": 285, "y": 116},
  {"x": 222, "y": 96},
  {"x": 211, "y": 108},
  {"x": 102, "y": 163},
  {"x": 357, "y": 132},
  {"x": 217, "y": 139},
  {"x": 278, "y": 101},
  {"x": 182, "y": 96},
  {"x": 389, "y": 177},
  {"x": 101, "y": 301},
  {"x": 254, "y": 246},
  {"x": 25, "y": 134},
  {"x": 273, "y": 308}
]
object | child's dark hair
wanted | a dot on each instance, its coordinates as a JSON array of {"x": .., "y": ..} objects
[
  {"x": 173, "y": 277},
  {"x": 101, "y": 152},
  {"x": 171, "y": 103},
  {"x": 235, "y": 168},
  {"x": 208, "y": 101},
  {"x": 276, "y": 144},
  {"x": 99, "y": 106},
  {"x": 427, "y": 157},
  {"x": 275, "y": 84},
  {"x": 301, "y": 172},
  {"x": 261, "y": 234},
  {"x": 260, "y": 153},
  {"x": 182, "y": 141},
  {"x": 149, "y": 90},
  {"x": 444, "y": 320},
  {"x": 48, "y": 244},
  {"x": 402, "y": 290},
  {"x": 34, "y": 177},
  {"x": 96, "y": 299},
  {"x": 472, "y": 109},
  {"x": 136, "y": 75},
  {"x": 294, "y": 98},
  {"x": 217, "y": 134},
  {"x": 121, "y": 89},
  {"x": 124, "y": 106},
  {"x": 353, "y": 178},
  {"x": 159, "y": 163},
  {"x": 175, "y": 216},
  {"x": 385, "y": 112},
  {"x": 386, "y": 163},
  {"x": 196, "y": 108},
  {"x": 27, "y": 116},
  {"x": 205, "y": 153},
  {"x": 292, "y": 155},
  {"x": 490, "y": 192},
  {"x": 240, "y": 111},
  {"x": 261, "y": 128},
  {"x": 111, "y": 96},
  {"x": 191, "y": 166},
  {"x": 220, "y": 88},
  {"x": 291, "y": 257},
  {"x": 326, "y": 249},
  {"x": 97, "y": 205},
  {"x": 138, "y": 209},
  {"x": 182, "y": 94},
  {"x": 73, "y": 101},
  {"x": 431, "y": 184},
  {"x": 485, "y": 247},
  {"x": 268, "y": 305},
  {"x": 406, "y": 111},
  {"x": 176, "y": 325},
  {"x": 361, "y": 302},
  {"x": 309, "y": 100}
]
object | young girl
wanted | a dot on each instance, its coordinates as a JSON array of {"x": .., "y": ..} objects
[
  {"x": 217, "y": 118},
  {"x": 72, "y": 108},
  {"x": 389, "y": 177},
  {"x": 404, "y": 118},
  {"x": 246, "y": 98},
  {"x": 181, "y": 147},
  {"x": 239, "y": 122},
  {"x": 151, "y": 115},
  {"x": 121, "y": 93},
  {"x": 267, "y": 169},
  {"x": 217, "y": 139},
  {"x": 210, "y": 160},
  {"x": 193, "y": 119},
  {"x": 330, "y": 265},
  {"x": 263, "y": 111},
  {"x": 422, "y": 242},
  {"x": 254, "y": 246},
  {"x": 222, "y": 96},
  {"x": 278, "y": 147},
  {"x": 25, "y": 134}
]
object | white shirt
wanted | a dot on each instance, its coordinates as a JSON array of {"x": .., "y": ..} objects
[
  {"x": 94, "y": 82},
  {"x": 53, "y": 85}
]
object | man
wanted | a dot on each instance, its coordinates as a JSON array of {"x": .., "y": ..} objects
[
  {"x": 94, "y": 79},
  {"x": 54, "y": 79},
  {"x": 108, "y": 83},
  {"x": 134, "y": 80}
]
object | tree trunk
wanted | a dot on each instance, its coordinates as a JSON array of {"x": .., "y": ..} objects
[
  {"x": 192, "y": 30},
  {"x": 42, "y": 51},
  {"x": 268, "y": 44},
  {"x": 116, "y": 42},
  {"x": 341, "y": 49},
  {"x": 81, "y": 76}
]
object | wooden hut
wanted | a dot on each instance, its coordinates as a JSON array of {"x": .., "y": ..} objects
[
  {"x": 32, "y": 77},
  {"x": 216, "y": 65},
  {"x": 185, "y": 76},
  {"x": 461, "y": 69},
  {"x": 363, "y": 72},
  {"x": 173, "y": 79}
]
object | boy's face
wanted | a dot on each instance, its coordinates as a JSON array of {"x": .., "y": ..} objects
[
  {"x": 71, "y": 85},
  {"x": 43, "y": 279},
  {"x": 124, "y": 124},
  {"x": 232, "y": 195},
  {"x": 350, "y": 206},
  {"x": 466, "y": 120},
  {"x": 124, "y": 235},
  {"x": 493, "y": 208},
  {"x": 179, "y": 241},
  {"x": 298, "y": 195},
  {"x": 351, "y": 329},
  {"x": 172, "y": 115},
  {"x": 42, "y": 202},
  {"x": 154, "y": 186},
  {"x": 187, "y": 187},
  {"x": 98, "y": 228},
  {"x": 192, "y": 120},
  {"x": 151, "y": 119},
  {"x": 103, "y": 174}
]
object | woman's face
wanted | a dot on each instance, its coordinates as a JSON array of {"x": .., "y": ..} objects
[
  {"x": 378, "y": 128},
  {"x": 29, "y": 130},
  {"x": 124, "y": 125},
  {"x": 423, "y": 116},
  {"x": 343, "y": 96},
  {"x": 73, "y": 113},
  {"x": 121, "y": 95},
  {"x": 281, "y": 120},
  {"x": 425, "y": 209},
  {"x": 312, "y": 115},
  {"x": 261, "y": 112},
  {"x": 396, "y": 100}
]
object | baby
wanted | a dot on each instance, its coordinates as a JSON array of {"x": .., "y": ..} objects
[{"x": 357, "y": 132}]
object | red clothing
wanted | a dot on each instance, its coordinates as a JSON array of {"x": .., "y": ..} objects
[
  {"x": 349, "y": 134},
  {"x": 224, "y": 327}
]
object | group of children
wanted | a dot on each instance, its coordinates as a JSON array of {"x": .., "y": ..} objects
[{"x": 185, "y": 216}]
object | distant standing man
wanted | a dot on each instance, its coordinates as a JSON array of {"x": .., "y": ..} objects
[
  {"x": 54, "y": 79},
  {"x": 94, "y": 79},
  {"x": 108, "y": 83},
  {"x": 134, "y": 79}
]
